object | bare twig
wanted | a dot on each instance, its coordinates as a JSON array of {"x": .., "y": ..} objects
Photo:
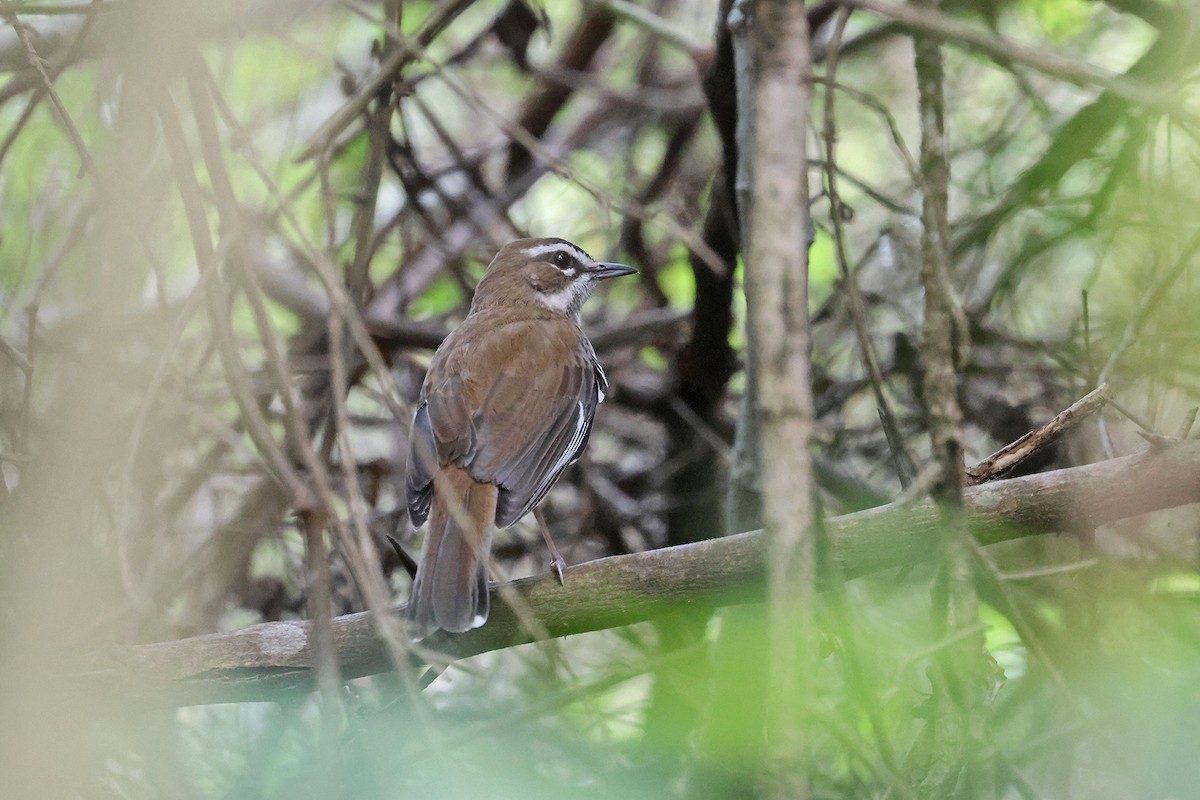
[
  {"x": 1155, "y": 294},
  {"x": 698, "y": 51},
  {"x": 379, "y": 138},
  {"x": 875, "y": 104},
  {"x": 47, "y": 76},
  {"x": 360, "y": 552},
  {"x": 1185, "y": 426},
  {"x": 1051, "y": 571},
  {"x": 958, "y": 678},
  {"x": 15, "y": 356},
  {"x": 57, "y": 9},
  {"x": 858, "y": 314},
  {"x": 1071, "y": 69},
  {"x": 87, "y": 164},
  {"x": 405, "y": 51},
  {"x": 31, "y": 324},
  {"x": 320, "y": 611},
  {"x": 557, "y": 163},
  {"x": 339, "y": 300},
  {"x": 1011, "y": 455},
  {"x": 364, "y": 558},
  {"x": 235, "y": 370}
]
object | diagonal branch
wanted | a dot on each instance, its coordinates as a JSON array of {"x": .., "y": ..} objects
[{"x": 256, "y": 663}]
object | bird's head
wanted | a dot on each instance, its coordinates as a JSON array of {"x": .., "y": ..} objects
[{"x": 548, "y": 272}]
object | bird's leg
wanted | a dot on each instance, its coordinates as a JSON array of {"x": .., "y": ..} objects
[{"x": 556, "y": 560}]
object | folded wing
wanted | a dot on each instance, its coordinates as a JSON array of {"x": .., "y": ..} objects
[{"x": 520, "y": 428}]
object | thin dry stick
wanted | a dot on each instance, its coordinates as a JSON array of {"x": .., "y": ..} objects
[
  {"x": 320, "y": 611},
  {"x": 886, "y": 766},
  {"x": 365, "y": 561},
  {"x": 941, "y": 645},
  {"x": 560, "y": 166},
  {"x": 294, "y": 418},
  {"x": 959, "y": 676},
  {"x": 1071, "y": 69},
  {"x": 378, "y": 139},
  {"x": 1014, "y": 611},
  {"x": 463, "y": 163},
  {"x": 365, "y": 569},
  {"x": 366, "y": 565},
  {"x": 277, "y": 464},
  {"x": 358, "y": 283},
  {"x": 328, "y": 206},
  {"x": 863, "y": 686},
  {"x": 858, "y": 312},
  {"x": 702, "y": 428},
  {"x": 128, "y": 570},
  {"x": 15, "y": 356},
  {"x": 874, "y": 104},
  {"x": 1008, "y": 457},
  {"x": 1150, "y": 301},
  {"x": 1189, "y": 419},
  {"x": 339, "y": 300},
  {"x": 68, "y": 57},
  {"x": 327, "y": 273},
  {"x": 31, "y": 322},
  {"x": 405, "y": 51},
  {"x": 87, "y": 164},
  {"x": 276, "y": 354},
  {"x": 698, "y": 51},
  {"x": 888, "y": 773},
  {"x": 1051, "y": 571},
  {"x": 58, "y": 10},
  {"x": 890, "y": 203}
]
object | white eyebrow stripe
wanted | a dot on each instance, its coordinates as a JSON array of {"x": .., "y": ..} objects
[{"x": 556, "y": 247}]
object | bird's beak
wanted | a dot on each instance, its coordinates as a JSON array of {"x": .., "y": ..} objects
[{"x": 608, "y": 270}]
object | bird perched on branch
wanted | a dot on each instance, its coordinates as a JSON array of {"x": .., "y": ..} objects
[{"x": 506, "y": 407}]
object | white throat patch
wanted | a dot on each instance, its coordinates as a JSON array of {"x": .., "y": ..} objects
[{"x": 569, "y": 300}]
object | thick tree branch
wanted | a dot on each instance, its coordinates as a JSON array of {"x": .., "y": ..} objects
[
  {"x": 775, "y": 223},
  {"x": 256, "y": 663}
]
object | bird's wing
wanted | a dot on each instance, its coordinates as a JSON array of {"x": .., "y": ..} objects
[
  {"x": 519, "y": 428},
  {"x": 566, "y": 404},
  {"x": 442, "y": 430},
  {"x": 422, "y": 463}
]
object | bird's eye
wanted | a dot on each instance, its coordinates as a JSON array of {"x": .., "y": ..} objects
[{"x": 562, "y": 260}]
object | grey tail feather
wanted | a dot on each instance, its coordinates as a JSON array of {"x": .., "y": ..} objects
[{"x": 450, "y": 591}]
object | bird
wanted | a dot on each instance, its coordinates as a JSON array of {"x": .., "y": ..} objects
[{"x": 506, "y": 406}]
